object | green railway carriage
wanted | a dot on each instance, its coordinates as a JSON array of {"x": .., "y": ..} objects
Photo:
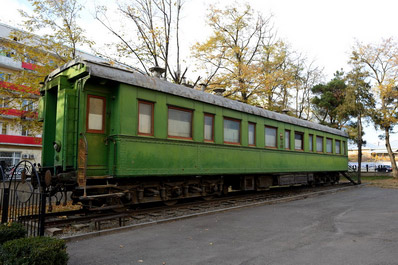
[{"x": 119, "y": 136}]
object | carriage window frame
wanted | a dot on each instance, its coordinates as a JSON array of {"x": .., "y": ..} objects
[
  {"x": 311, "y": 142},
  {"x": 254, "y": 133},
  {"x": 329, "y": 140},
  {"x": 287, "y": 140},
  {"x": 316, "y": 144},
  {"x": 152, "y": 104},
  {"x": 337, "y": 143},
  {"x": 191, "y": 123},
  {"x": 239, "y": 132},
  {"x": 276, "y": 136},
  {"x": 102, "y": 131},
  {"x": 302, "y": 141},
  {"x": 212, "y": 127},
  {"x": 344, "y": 149}
]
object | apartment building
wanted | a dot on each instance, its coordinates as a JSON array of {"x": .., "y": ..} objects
[{"x": 17, "y": 142}]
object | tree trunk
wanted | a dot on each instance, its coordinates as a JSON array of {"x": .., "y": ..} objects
[
  {"x": 391, "y": 154},
  {"x": 359, "y": 148}
]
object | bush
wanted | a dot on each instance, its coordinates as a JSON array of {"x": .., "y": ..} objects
[
  {"x": 34, "y": 251},
  {"x": 11, "y": 231}
]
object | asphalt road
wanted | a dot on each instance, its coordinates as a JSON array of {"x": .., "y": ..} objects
[{"x": 358, "y": 226}]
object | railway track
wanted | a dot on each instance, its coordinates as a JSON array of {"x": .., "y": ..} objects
[{"x": 79, "y": 224}]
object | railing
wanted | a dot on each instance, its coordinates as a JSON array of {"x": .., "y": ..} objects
[{"x": 22, "y": 198}]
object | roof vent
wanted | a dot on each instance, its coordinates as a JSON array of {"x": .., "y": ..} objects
[
  {"x": 285, "y": 111},
  {"x": 203, "y": 86},
  {"x": 219, "y": 91},
  {"x": 157, "y": 71}
]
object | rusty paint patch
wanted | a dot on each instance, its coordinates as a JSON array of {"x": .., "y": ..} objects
[
  {"x": 47, "y": 178},
  {"x": 82, "y": 163}
]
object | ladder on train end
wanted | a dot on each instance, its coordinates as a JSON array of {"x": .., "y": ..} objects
[{"x": 350, "y": 175}]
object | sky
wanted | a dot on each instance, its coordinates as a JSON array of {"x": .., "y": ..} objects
[{"x": 325, "y": 31}]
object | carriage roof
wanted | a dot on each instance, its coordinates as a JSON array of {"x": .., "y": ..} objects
[{"x": 107, "y": 71}]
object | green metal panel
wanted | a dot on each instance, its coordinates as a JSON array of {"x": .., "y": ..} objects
[
  {"x": 98, "y": 160},
  {"x": 142, "y": 157},
  {"x": 158, "y": 155},
  {"x": 70, "y": 129},
  {"x": 65, "y": 125},
  {"x": 49, "y": 115},
  {"x": 125, "y": 103},
  {"x": 59, "y": 128}
]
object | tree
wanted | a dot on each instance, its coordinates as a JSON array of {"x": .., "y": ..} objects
[
  {"x": 244, "y": 58},
  {"x": 358, "y": 104},
  {"x": 157, "y": 25},
  {"x": 307, "y": 75},
  {"x": 327, "y": 101},
  {"x": 381, "y": 63},
  {"x": 277, "y": 75},
  {"x": 233, "y": 55},
  {"x": 57, "y": 20}
]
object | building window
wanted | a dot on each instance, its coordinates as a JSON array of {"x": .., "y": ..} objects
[
  {"x": 252, "y": 134},
  {"x": 27, "y": 105},
  {"x": 3, "y": 127},
  {"x": 337, "y": 146},
  {"x": 5, "y": 77},
  {"x": 231, "y": 131},
  {"x": 145, "y": 118},
  {"x": 298, "y": 141},
  {"x": 311, "y": 143},
  {"x": 25, "y": 131},
  {"x": 10, "y": 158},
  {"x": 343, "y": 148},
  {"x": 4, "y": 102},
  {"x": 270, "y": 137},
  {"x": 319, "y": 144},
  {"x": 180, "y": 123},
  {"x": 329, "y": 143},
  {"x": 95, "y": 114},
  {"x": 287, "y": 139},
  {"x": 209, "y": 127}
]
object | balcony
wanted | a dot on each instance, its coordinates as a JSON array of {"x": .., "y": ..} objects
[
  {"x": 10, "y": 63},
  {"x": 20, "y": 140}
]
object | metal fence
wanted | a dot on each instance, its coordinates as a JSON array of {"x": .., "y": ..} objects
[{"x": 22, "y": 198}]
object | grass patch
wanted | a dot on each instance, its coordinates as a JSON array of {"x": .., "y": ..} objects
[
  {"x": 381, "y": 181},
  {"x": 370, "y": 178}
]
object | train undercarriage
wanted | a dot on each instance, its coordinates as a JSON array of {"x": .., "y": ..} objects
[{"x": 106, "y": 191}]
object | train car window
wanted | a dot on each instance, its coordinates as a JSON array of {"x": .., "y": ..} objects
[
  {"x": 95, "y": 114},
  {"x": 337, "y": 146},
  {"x": 145, "y": 118},
  {"x": 311, "y": 142},
  {"x": 209, "y": 127},
  {"x": 319, "y": 144},
  {"x": 298, "y": 141},
  {"x": 231, "y": 131},
  {"x": 329, "y": 143},
  {"x": 287, "y": 139},
  {"x": 180, "y": 123},
  {"x": 343, "y": 149},
  {"x": 252, "y": 134},
  {"x": 270, "y": 136}
]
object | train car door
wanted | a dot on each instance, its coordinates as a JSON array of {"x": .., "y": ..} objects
[{"x": 97, "y": 130}]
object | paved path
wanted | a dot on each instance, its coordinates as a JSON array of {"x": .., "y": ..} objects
[{"x": 358, "y": 226}]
